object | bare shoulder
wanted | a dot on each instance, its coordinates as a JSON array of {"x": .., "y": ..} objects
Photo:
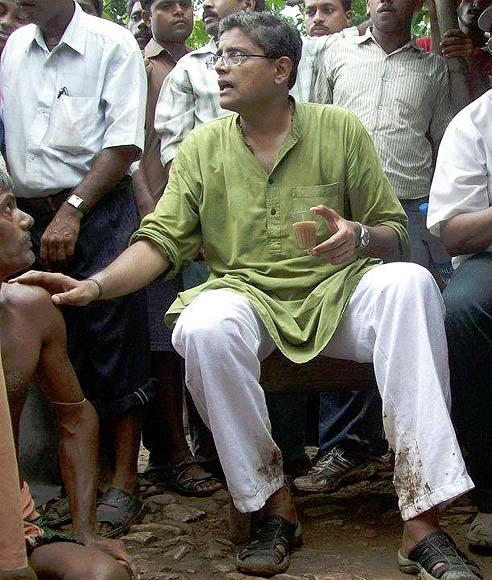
[{"x": 32, "y": 301}]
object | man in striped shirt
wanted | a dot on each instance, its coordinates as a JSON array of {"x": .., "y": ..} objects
[{"x": 401, "y": 95}]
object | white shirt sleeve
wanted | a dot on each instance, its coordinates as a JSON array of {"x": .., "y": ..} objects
[
  {"x": 124, "y": 97},
  {"x": 460, "y": 179}
]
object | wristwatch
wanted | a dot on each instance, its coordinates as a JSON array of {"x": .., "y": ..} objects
[
  {"x": 78, "y": 203},
  {"x": 364, "y": 236}
]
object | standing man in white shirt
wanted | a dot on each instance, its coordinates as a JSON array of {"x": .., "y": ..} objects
[
  {"x": 460, "y": 212},
  {"x": 72, "y": 137}
]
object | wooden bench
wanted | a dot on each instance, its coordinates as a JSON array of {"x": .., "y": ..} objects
[{"x": 279, "y": 376}]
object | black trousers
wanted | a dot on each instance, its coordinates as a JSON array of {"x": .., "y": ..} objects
[
  {"x": 468, "y": 299},
  {"x": 108, "y": 341}
]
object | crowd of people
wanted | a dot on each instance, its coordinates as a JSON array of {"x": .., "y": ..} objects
[{"x": 149, "y": 188}]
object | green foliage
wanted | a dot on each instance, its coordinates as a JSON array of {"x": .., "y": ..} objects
[
  {"x": 115, "y": 10},
  {"x": 199, "y": 35}
]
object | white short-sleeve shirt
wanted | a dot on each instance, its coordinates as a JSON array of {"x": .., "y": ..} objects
[
  {"x": 462, "y": 180},
  {"x": 61, "y": 108}
]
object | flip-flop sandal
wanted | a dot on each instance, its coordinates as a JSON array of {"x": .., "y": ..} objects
[
  {"x": 437, "y": 557},
  {"x": 57, "y": 512},
  {"x": 128, "y": 509},
  {"x": 187, "y": 486}
]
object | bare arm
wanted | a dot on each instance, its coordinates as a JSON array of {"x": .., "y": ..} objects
[
  {"x": 136, "y": 267},
  {"x": 342, "y": 245},
  {"x": 143, "y": 195},
  {"x": 78, "y": 424},
  {"x": 79, "y": 437},
  {"x": 61, "y": 235},
  {"x": 467, "y": 233}
]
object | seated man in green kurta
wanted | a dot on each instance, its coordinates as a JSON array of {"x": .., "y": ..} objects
[{"x": 233, "y": 185}]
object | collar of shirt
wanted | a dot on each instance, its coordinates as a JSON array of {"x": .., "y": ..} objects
[
  {"x": 74, "y": 35},
  {"x": 369, "y": 36},
  {"x": 296, "y": 128},
  {"x": 209, "y": 48},
  {"x": 154, "y": 49}
]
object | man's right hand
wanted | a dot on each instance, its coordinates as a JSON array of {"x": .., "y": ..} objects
[
  {"x": 456, "y": 43},
  {"x": 65, "y": 291}
]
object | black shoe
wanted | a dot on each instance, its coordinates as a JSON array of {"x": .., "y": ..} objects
[{"x": 268, "y": 553}]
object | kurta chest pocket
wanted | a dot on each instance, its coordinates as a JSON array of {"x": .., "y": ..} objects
[
  {"x": 330, "y": 195},
  {"x": 72, "y": 122}
]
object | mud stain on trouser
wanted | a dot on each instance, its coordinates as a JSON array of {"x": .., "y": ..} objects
[
  {"x": 272, "y": 470},
  {"x": 408, "y": 477}
]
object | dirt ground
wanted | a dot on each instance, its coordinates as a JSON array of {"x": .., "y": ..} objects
[{"x": 352, "y": 534}]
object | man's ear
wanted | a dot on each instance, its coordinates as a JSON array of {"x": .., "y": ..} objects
[
  {"x": 249, "y": 4},
  {"x": 348, "y": 16},
  {"x": 146, "y": 18},
  {"x": 284, "y": 68}
]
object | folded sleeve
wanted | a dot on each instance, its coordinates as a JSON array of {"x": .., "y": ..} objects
[{"x": 174, "y": 226}]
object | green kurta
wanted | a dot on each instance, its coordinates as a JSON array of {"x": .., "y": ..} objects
[{"x": 220, "y": 197}]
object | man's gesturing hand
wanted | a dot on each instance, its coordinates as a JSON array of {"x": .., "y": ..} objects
[
  {"x": 341, "y": 246},
  {"x": 65, "y": 291}
]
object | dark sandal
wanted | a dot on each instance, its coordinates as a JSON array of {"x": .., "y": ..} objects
[
  {"x": 268, "y": 553},
  {"x": 128, "y": 509},
  {"x": 188, "y": 485},
  {"x": 57, "y": 512},
  {"x": 437, "y": 557}
]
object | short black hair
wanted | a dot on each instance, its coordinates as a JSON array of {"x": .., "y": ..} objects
[
  {"x": 98, "y": 5},
  {"x": 272, "y": 33},
  {"x": 346, "y": 5},
  {"x": 129, "y": 6}
]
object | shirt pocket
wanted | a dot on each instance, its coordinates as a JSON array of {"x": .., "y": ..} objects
[
  {"x": 72, "y": 123},
  {"x": 414, "y": 93},
  {"x": 330, "y": 195}
]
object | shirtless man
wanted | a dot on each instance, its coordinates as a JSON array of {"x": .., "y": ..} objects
[{"x": 32, "y": 339}]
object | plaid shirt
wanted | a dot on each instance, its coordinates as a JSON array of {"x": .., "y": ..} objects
[{"x": 190, "y": 93}]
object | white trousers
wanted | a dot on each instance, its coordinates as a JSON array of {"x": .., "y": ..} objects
[{"x": 394, "y": 320}]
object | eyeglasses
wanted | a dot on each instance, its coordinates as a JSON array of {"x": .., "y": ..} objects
[{"x": 234, "y": 58}]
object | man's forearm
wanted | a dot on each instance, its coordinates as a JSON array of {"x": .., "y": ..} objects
[
  {"x": 108, "y": 169},
  {"x": 79, "y": 445},
  {"x": 384, "y": 244},
  {"x": 468, "y": 233},
  {"x": 136, "y": 267},
  {"x": 143, "y": 195}
]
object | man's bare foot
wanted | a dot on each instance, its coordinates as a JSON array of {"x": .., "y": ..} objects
[
  {"x": 192, "y": 479},
  {"x": 281, "y": 504},
  {"x": 428, "y": 551},
  {"x": 417, "y": 528}
]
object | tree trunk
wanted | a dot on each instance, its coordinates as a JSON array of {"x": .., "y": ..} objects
[{"x": 447, "y": 19}]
